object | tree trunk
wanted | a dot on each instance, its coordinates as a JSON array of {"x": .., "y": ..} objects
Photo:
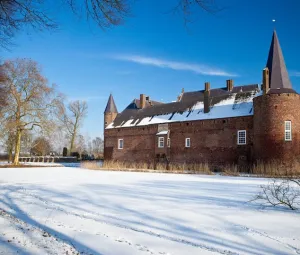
[
  {"x": 73, "y": 137},
  {"x": 17, "y": 147},
  {"x": 10, "y": 154},
  {"x": 72, "y": 144}
]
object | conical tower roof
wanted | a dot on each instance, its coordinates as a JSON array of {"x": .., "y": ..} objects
[
  {"x": 111, "y": 106},
  {"x": 279, "y": 78}
]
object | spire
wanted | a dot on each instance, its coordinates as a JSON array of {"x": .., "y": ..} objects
[
  {"x": 111, "y": 106},
  {"x": 279, "y": 78}
]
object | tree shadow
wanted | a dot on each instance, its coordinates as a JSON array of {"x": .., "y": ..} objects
[
  {"x": 11, "y": 248},
  {"x": 101, "y": 203},
  {"x": 20, "y": 214}
]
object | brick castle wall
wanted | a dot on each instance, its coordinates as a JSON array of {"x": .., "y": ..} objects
[
  {"x": 213, "y": 141},
  {"x": 270, "y": 113},
  {"x": 139, "y": 144}
]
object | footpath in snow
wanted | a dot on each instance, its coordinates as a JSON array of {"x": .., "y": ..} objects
[{"x": 71, "y": 210}]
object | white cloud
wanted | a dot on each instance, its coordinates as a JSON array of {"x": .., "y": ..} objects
[
  {"x": 295, "y": 73},
  {"x": 175, "y": 65}
]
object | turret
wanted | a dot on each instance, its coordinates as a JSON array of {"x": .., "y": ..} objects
[
  {"x": 276, "y": 121},
  {"x": 110, "y": 112}
]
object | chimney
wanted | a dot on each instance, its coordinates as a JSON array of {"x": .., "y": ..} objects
[
  {"x": 266, "y": 81},
  {"x": 142, "y": 101},
  {"x": 206, "y": 97},
  {"x": 229, "y": 84},
  {"x": 180, "y": 96}
]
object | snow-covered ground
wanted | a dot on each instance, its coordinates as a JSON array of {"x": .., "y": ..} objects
[{"x": 62, "y": 210}]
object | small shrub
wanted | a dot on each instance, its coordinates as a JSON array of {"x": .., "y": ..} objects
[
  {"x": 280, "y": 192},
  {"x": 231, "y": 170}
]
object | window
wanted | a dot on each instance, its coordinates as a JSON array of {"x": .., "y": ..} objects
[
  {"x": 187, "y": 142},
  {"x": 161, "y": 142},
  {"x": 120, "y": 144},
  {"x": 288, "y": 130},
  {"x": 169, "y": 142},
  {"x": 241, "y": 139}
]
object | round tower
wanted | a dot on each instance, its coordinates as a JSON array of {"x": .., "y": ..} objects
[
  {"x": 110, "y": 112},
  {"x": 276, "y": 112}
]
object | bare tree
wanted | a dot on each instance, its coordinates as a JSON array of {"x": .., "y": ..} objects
[
  {"x": 3, "y": 94},
  {"x": 74, "y": 119},
  {"x": 106, "y": 13},
  {"x": 41, "y": 147},
  {"x": 80, "y": 145},
  {"x": 9, "y": 145},
  {"x": 98, "y": 145},
  {"x": 33, "y": 105},
  {"x": 281, "y": 192},
  {"x": 16, "y": 14},
  {"x": 58, "y": 139}
]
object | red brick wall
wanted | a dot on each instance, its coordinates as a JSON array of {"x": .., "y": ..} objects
[
  {"x": 213, "y": 141},
  {"x": 270, "y": 113},
  {"x": 139, "y": 143}
]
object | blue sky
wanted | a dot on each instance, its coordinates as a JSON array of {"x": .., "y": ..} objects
[{"x": 156, "y": 54}]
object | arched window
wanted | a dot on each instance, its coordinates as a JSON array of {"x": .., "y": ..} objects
[{"x": 187, "y": 142}]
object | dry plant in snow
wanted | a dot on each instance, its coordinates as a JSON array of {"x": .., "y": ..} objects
[{"x": 280, "y": 192}]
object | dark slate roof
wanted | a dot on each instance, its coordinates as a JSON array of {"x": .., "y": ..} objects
[
  {"x": 188, "y": 100},
  {"x": 279, "y": 78},
  {"x": 111, "y": 106},
  {"x": 135, "y": 104}
]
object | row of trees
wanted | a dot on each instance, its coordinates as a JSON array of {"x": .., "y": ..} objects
[{"x": 33, "y": 113}]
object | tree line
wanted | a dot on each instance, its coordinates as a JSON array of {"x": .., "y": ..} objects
[{"x": 34, "y": 118}]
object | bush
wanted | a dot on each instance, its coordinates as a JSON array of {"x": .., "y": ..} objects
[
  {"x": 65, "y": 152},
  {"x": 280, "y": 192}
]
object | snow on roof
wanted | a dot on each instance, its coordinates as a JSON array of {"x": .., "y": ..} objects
[
  {"x": 163, "y": 132},
  {"x": 234, "y": 105}
]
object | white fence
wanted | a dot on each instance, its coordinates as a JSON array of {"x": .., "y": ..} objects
[{"x": 47, "y": 159}]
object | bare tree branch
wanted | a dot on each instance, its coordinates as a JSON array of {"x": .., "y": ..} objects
[
  {"x": 15, "y": 15},
  {"x": 32, "y": 103},
  {"x": 280, "y": 192},
  {"x": 74, "y": 119}
]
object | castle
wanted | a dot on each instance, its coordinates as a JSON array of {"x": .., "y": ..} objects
[{"x": 233, "y": 124}]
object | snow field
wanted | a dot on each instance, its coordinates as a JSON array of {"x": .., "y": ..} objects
[{"x": 102, "y": 212}]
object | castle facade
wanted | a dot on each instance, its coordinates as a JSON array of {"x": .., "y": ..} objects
[{"x": 233, "y": 124}]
